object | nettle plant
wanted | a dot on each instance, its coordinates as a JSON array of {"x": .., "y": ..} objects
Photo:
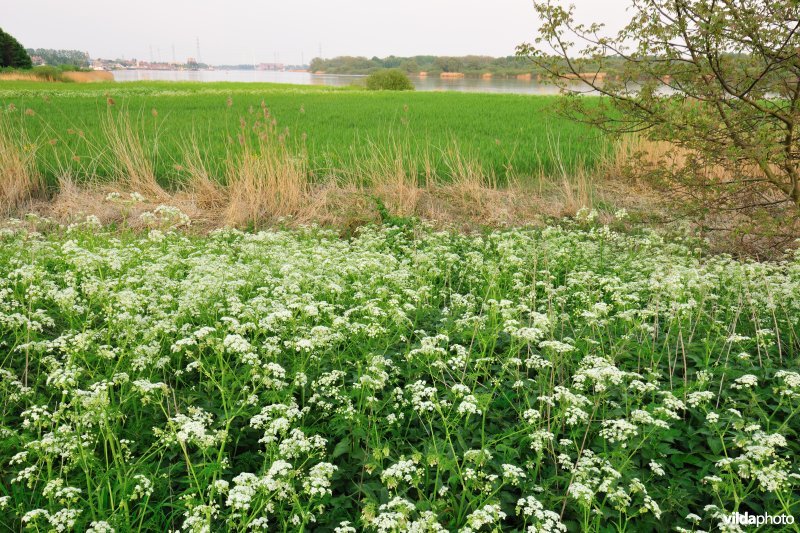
[{"x": 572, "y": 378}]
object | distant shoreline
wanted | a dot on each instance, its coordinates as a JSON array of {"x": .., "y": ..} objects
[{"x": 429, "y": 83}]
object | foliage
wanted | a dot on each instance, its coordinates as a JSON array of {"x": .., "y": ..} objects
[
  {"x": 389, "y": 80},
  {"x": 571, "y": 377},
  {"x": 391, "y": 219},
  {"x": 512, "y": 135},
  {"x": 719, "y": 80},
  {"x": 57, "y": 58},
  {"x": 12, "y": 54},
  {"x": 40, "y": 73},
  {"x": 48, "y": 73}
]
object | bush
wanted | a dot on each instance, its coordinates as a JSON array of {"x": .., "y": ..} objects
[
  {"x": 48, "y": 73},
  {"x": 389, "y": 80}
]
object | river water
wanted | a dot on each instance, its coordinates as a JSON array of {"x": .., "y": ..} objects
[{"x": 431, "y": 83}]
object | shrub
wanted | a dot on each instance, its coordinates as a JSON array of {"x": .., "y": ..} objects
[
  {"x": 389, "y": 80},
  {"x": 48, "y": 73},
  {"x": 718, "y": 82}
]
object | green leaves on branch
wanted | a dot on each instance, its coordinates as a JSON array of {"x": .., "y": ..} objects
[{"x": 718, "y": 80}]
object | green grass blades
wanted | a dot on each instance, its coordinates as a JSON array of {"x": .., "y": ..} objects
[
  {"x": 512, "y": 136},
  {"x": 569, "y": 378}
]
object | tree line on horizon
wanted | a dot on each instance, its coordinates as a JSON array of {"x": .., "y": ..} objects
[
  {"x": 470, "y": 65},
  {"x": 57, "y": 58}
]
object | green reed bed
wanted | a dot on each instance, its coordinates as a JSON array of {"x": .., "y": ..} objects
[{"x": 510, "y": 136}]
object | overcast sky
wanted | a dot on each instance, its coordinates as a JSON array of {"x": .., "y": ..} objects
[{"x": 247, "y": 31}]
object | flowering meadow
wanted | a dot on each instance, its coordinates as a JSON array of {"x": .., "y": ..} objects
[{"x": 570, "y": 378}]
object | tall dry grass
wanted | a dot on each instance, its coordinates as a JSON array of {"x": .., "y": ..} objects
[
  {"x": 93, "y": 76},
  {"x": 470, "y": 184},
  {"x": 131, "y": 158},
  {"x": 52, "y": 74},
  {"x": 19, "y": 178},
  {"x": 465, "y": 169},
  {"x": 268, "y": 178},
  {"x": 19, "y": 76},
  {"x": 681, "y": 173},
  {"x": 637, "y": 150},
  {"x": 206, "y": 190},
  {"x": 390, "y": 171},
  {"x": 29, "y": 76},
  {"x": 576, "y": 186}
]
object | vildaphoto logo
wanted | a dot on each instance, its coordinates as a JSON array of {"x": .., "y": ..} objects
[{"x": 747, "y": 519}]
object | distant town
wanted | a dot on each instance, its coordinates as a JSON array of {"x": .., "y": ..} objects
[
  {"x": 190, "y": 64},
  {"x": 82, "y": 60}
]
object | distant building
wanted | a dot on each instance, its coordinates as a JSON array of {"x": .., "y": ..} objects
[
  {"x": 271, "y": 66},
  {"x": 37, "y": 60},
  {"x": 115, "y": 64}
]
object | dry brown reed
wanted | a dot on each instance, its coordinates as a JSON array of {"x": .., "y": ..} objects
[
  {"x": 54, "y": 76},
  {"x": 576, "y": 185},
  {"x": 128, "y": 154},
  {"x": 22, "y": 76},
  {"x": 205, "y": 189},
  {"x": 88, "y": 77},
  {"x": 19, "y": 178},
  {"x": 268, "y": 178},
  {"x": 390, "y": 171}
]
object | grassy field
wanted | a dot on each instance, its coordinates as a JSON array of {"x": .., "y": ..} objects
[
  {"x": 336, "y": 129},
  {"x": 571, "y": 378}
]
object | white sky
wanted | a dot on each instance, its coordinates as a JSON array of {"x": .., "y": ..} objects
[{"x": 247, "y": 31}]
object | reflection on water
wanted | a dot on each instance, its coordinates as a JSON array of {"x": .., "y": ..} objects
[
  {"x": 480, "y": 85},
  {"x": 432, "y": 83}
]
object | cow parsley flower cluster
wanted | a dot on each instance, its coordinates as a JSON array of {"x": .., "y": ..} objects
[{"x": 399, "y": 379}]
